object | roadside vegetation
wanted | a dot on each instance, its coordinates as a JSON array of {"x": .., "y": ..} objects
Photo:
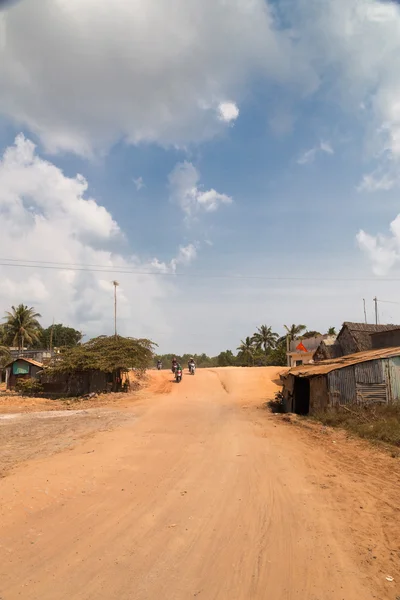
[
  {"x": 263, "y": 348},
  {"x": 21, "y": 329},
  {"x": 380, "y": 423}
]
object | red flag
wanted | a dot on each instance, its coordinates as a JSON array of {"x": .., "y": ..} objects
[{"x": 301, "y": 347}]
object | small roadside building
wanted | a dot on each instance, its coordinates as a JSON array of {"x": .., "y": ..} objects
[
  {"x": 358, "y": 337},
  {"x": 387, "y": 338},
  {"x": 75, "y": 383},
  {"x": 21, "y": 368},
  {"x": 360, "y": 378},
  {"x": 301, "y": 350}
]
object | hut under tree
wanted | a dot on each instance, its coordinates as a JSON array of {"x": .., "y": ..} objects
[{"x": 101, "y": 364}]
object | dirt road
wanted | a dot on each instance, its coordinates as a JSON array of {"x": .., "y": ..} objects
[{"x": 203, "y": 494}]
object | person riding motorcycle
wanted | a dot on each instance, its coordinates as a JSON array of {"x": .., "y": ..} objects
[
  {"x": 191, "y": 364},
  {"x": 159, "y": 365},
  {"x": 174, "y": 364}
]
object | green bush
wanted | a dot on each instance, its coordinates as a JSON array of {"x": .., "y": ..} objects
[{"x": 28, "y": 387}]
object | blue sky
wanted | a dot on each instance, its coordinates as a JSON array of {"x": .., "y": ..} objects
[{"x": 242, "y": 167}]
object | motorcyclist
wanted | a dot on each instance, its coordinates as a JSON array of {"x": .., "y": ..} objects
[
  {"x": 191, "y": 363},
  {"x": 174, "y": 364},
  {"x": 159, "y": 364}
]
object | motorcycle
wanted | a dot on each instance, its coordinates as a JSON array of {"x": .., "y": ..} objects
[
  {"x": 178, "y": 375},
  {"x": 192, "y": 369},
  {"x": 159, "y": 366}
]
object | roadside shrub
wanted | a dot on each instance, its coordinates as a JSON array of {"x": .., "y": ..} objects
[
  {"x": 375, "y": 422},
  {"x": 28, "y": 387},
  {"x": 277, "y": 405}
]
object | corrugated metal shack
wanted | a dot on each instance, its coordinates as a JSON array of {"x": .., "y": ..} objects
[
  {"x": 76, "y": 383},
  {"x": 364, "y": 377}
]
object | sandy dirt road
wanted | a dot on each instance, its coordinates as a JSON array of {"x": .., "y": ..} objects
[{"x": 203, "y": 495}]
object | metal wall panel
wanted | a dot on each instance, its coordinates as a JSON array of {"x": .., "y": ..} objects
[
  {"x": 392, "y": 372},
  {"x": 369, "y": 372},
  {"x": 342, "y": 386},
  {"x": 371, "y": 393}
]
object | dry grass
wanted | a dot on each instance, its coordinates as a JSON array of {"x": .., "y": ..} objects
[{"x": 379, "y": 423}]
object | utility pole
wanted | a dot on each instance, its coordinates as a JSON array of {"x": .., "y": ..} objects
[
  {"x": 376, "y": 310},
  {"x": 365, "y": 311},
  {"x": 51, "y": 337},
  {"x": 115, "y": 284}
]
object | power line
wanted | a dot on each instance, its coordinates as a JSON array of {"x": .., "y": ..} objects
[
  {"x": 388, "y": 301},
  {"x": 48, "y": 265}
]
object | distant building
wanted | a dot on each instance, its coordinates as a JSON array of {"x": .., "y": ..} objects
[
  {"x": 301, "y": 351},
  {"x": 358, "y": 337},
  {"x": 361, "y": 378},
  {"x": 387, "y": 338},
  {"x": 21, "y": 368},
  {"x": 38, "y": 354}
]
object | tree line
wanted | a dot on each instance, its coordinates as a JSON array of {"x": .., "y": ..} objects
[
  {"x": 264, "y": 348},
  {"x": 21, "y": 328}
]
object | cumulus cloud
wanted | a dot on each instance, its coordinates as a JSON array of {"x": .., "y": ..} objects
[
  {"x": 185, "y": 256},
  {"x": 81, "y": 77},
  {"x": 186, "y": 193},
  {"x": 228, "y": 112},
  {"x": 309, "y": 155},
  {"x": 382, "y": 251},
  {"x": 355, "y": 46},
  {"x": 49, "y": 218}
]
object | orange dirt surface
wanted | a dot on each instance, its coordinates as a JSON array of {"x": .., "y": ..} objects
[{"x": 202, "y": 493}]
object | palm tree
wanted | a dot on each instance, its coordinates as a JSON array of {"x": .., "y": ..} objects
[
  {"x": 332, "y": 331},
  {"x": 294, "y": 331},
  {"x": 246, "y": 349},
  {"x": 5, "y": 356},
  {"x": 21, "y": 326},
  {"x": 265, "y": 338}
]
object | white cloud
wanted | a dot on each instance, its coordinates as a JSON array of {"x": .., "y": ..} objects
[
  {"x": 309, "y": 156},
  {"x": 139, "y": 183},
  {"x": 378, "y": 181},
  {"x": 185, "y": 256},
  {"x": 47, "y": 216},
  {"x": 326, "y": 147},
  {"x": 81, "y": 77},
  {"x": 228, "y": 112},
  {"x": 355, "y": 46},
  {"x": 185, "y": 191},
  {"x": 382, "y": 251}
]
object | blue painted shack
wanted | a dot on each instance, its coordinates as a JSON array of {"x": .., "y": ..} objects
[{"x": 362, "y": 378}]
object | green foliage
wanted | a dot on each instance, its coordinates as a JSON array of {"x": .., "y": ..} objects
[
  {"x": 246, "y": 351},
  {"x": 58, "y": 336},
  {"x": 277, "y": 357},
  {"x": 310, "y": 334},
  {"x": 226, "y": 359},
  {"x": 108, "y": 354},
  {"x": 28, "y": 387},
  {"x": 265, "y": 338},
  {"x": 201, "y": 360},
  {"x": 331, "y": 331},
  {"x": 5, "y": 356},
  {"x": 21, "y": 326},
  {"x": 294, "y": 331}
]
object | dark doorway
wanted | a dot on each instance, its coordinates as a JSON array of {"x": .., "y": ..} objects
[{"x": 301, "y": 396}]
